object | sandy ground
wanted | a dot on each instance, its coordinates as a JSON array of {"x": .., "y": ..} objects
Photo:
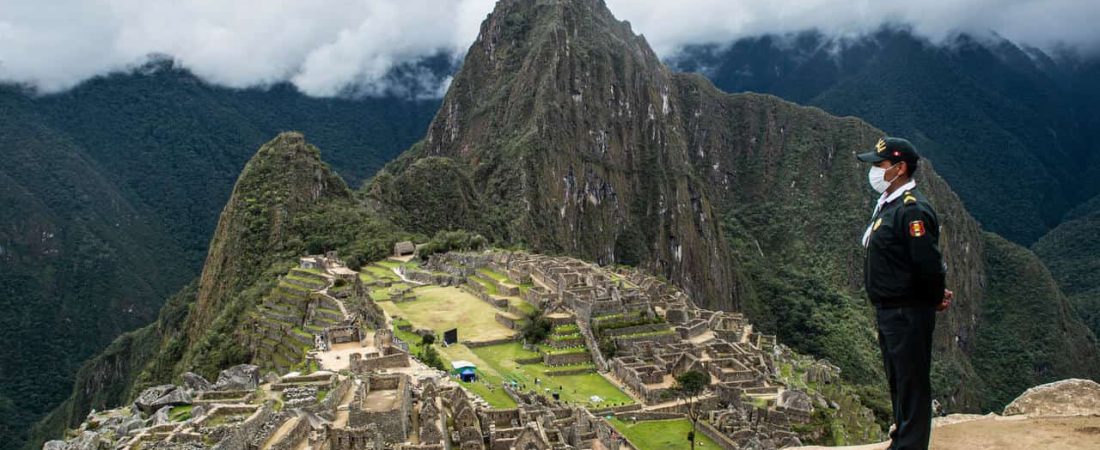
[
  {"x": 339, "y": 357},
  {"x": 1009, "y": 433}
]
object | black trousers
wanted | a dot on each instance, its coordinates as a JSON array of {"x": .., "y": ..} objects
[{"x": 905, "y": 337}]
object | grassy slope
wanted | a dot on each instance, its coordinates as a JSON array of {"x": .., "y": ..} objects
[
  {"x": 662, "y": 434},
  {"x": 1070, "y": 251},
  {"x": 1018, "y": 348}
]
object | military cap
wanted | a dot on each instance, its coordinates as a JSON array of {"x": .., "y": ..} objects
[{"x": 890, "y": 148}]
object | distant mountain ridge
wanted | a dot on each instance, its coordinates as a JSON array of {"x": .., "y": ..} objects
[{"x": 1012, "y": 128}]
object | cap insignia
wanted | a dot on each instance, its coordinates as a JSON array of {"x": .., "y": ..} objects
[{"x": 880, "y": 146}]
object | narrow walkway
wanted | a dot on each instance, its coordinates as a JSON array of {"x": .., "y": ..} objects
[{"x": 404, "y": 278}]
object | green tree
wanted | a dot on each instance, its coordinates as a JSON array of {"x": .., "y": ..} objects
[
  {"x": 537, "y": 328},
  {"x": 689, "y": 386}
]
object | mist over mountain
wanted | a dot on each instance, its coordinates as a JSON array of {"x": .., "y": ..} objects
[{"x": 330, "y": 47}]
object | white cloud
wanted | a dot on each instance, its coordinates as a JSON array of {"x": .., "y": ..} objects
[
  {"x": 326, "y": 47},
  {"x": 322, "y": 46},
  {"x": 669, "y": 25}
]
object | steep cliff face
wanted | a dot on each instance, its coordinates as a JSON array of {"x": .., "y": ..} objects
[
  {"x": 569, "y": 128},
  {"x": 285, "y": 177},
  {"x": 74, "y": 256}
]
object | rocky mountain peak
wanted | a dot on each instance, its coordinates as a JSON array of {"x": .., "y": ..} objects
[
  {"x": 567, "y": 123},
  {"x": 284, "y": 177}
]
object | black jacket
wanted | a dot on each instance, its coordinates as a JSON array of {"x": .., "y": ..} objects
[{"x": 903, "y": 265}]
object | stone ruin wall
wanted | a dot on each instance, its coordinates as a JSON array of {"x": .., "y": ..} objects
[
  {"x": 241, "y": 437},
  {"x": 393, "y": 424}
]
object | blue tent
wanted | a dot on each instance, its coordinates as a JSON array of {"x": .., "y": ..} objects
[{"x": 467, "y": 374}]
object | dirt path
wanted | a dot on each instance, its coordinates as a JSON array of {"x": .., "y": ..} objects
[
  {"x": 1009, "y": 433},
  {"x": 405, "y": 279},
  {"x": 282, "y": 431},
  {"x": 342, "y": 408}
]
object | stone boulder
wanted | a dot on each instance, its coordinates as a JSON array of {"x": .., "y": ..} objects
[
  {"x": 244, "y": 377},
  {"x": 161, "y": 416},
  {"x": 55, "y": 445},
  {"x": 157, "y": 397},
  {"x": 197, "y": 411},
  {"x": 128, "y": 425},
  {"x": 1072, "y": 397},
  {"x": 196, "y": 382},
  {"x": 796, "y": 400},
  {"x": 271, "y": 377},
  {"x": 86, "y": 441}
]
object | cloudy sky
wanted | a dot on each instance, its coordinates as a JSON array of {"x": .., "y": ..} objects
[{"x": 327, "y": 46}]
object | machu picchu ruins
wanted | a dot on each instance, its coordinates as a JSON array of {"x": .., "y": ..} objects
[{"x": 357, "y": 360}]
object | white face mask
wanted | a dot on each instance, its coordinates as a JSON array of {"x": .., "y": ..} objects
[{"x": 877, "y": 178}]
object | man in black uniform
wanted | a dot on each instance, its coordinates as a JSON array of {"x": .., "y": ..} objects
[{"x": 905, "y": 281}]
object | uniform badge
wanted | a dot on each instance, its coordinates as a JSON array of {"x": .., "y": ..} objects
[
  {"x": 880, "y": 146},
  {"x": 876, "y": 225},
  {"x": 916, "y": 228}
]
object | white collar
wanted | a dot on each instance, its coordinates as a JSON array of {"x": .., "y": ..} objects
[
  {"x": 882, "y": 200},
  {"x": 887, "y": 198}
]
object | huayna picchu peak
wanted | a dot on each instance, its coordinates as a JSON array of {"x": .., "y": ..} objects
[{"x": 586, "y": 250}]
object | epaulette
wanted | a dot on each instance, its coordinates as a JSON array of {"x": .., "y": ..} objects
[{"x": 909, "y": 198}]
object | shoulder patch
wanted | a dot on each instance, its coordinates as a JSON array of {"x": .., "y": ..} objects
[{"x": 916, "y": 228}]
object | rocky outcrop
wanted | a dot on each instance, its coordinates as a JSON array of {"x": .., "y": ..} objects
[
  {"x": 196, "y": 382},
  {"x": 153, "y": 399},
  {"x": 244, "y": 377},
  {"x": 86, "y": 441},
  {"x": 1073, "y": 397},
  {"x": 286, "y": 175}
]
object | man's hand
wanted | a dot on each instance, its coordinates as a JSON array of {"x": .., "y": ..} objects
[{"x": 946, "y": 302}]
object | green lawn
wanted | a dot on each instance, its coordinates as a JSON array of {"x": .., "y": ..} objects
[
  {"x": 522, "y": 305},
  {"x": 577, "y": 388},
  {"x": 488, "y": 386},
  {"x": 442, "y": 308},
  {"x": 523, "y": 288},
  {"x": 490, "y": 287},
  {"x": 662, "y": 434},
  {"x": 380, "y": 272},
  {"x": 495, "y": 275},
  {"x": 384, "y": 293},
  {"x": 179, "y": 413}
]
